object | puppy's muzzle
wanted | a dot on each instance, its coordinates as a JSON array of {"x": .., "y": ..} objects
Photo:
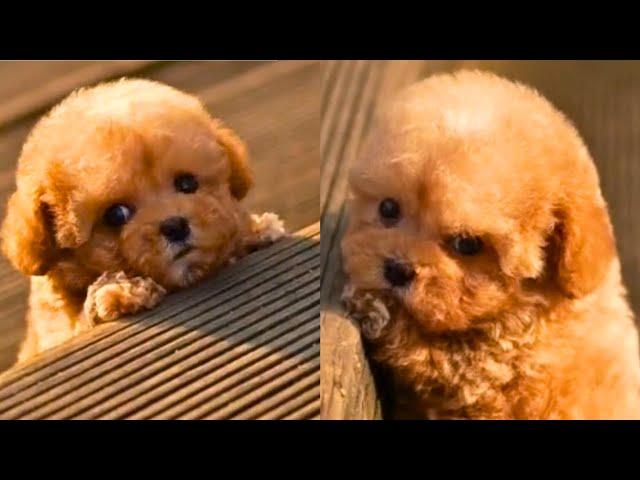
[
  {"x": 175, "y": 229},
  {"x": 398, "y": 274}
]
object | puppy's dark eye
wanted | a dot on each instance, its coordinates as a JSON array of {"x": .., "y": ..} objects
[
  {"x": 466, "y": 245},
  {"x": 185, "y": 183},
  {"x": 389, "y": 211},
  {"x": 118, "y": 214}
]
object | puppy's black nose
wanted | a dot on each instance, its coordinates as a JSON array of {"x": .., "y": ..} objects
[
  {"x": 175, "y": 229},
  {"x": 397, "y": 273}
]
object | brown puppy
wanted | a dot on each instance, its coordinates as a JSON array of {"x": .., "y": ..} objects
[
  {"x": 482, "y": 259},
  {"x": 124, "y": 191}
]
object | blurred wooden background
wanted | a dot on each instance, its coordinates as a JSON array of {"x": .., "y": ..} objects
[
  {"x": 602, "y": 98},
  {"x": 274, "y": 106}
]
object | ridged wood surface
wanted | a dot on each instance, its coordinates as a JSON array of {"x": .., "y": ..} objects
[{"x": 243, "y": 345}]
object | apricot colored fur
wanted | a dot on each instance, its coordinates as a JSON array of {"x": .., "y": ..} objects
[
  {"x": 121, "y": 142},
  {"x": 535, "y": 326}
]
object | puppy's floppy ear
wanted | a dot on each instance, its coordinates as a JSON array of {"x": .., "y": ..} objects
[
  {"x": 241, "y": 179},
  {"x": 27, "y": 236},
  {"x": 583, "y": 245}
]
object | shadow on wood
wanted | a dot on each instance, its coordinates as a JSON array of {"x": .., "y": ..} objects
[{"x": 244, "y": 344}]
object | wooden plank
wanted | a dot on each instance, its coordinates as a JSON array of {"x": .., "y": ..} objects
[
  {"x": 289, "y": 400},
  {"x": 194, "y": 77},
  {"x": 31, "y": 87},
  {"x": 268, "y": 259},
  {"x": 243, "y": 344}
]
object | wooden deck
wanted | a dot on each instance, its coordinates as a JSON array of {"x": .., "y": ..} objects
[
  {"x": 274, "y": 106},
  {"x": 603, "y": 100},
  {"x": 244, "y": 345}
]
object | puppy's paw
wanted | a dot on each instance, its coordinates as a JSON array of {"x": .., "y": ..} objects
[
  {"x": 371, "y": 312},
  {"x": 266, "y": 229},
  {"x": 114, "y": 295}
]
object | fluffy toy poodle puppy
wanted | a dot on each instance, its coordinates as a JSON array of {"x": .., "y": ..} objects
[
  {"x": 482, "y": 260},
  {"x": 124, "y": 192}
]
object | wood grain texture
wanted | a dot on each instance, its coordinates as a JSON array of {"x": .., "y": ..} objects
[
  {"x": 602, "y": 98},
  {"x": 30, "y": 87},
  {"x": 244, "y": 344},
  {"x": 274, "y": 106}
]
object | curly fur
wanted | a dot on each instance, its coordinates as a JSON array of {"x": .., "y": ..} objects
[
  {"x": 124, "y": 141},
  {"x": 536, "y": 326}
]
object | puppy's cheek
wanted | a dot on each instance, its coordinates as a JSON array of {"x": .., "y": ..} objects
[
  {"x": 217, "y": 231},
  {"x": 362, "y": 261},
  {"x": 453, "y": 301},
  {"x": 143, "y": 250},
  {"x": 435, "y": 300},
  {"x": 483, "y": 296}
]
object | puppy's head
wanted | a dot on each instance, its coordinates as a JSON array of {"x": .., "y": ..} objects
[
  {"x": 471, "y": 193},
  {"x": 131, "y": 175}
]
